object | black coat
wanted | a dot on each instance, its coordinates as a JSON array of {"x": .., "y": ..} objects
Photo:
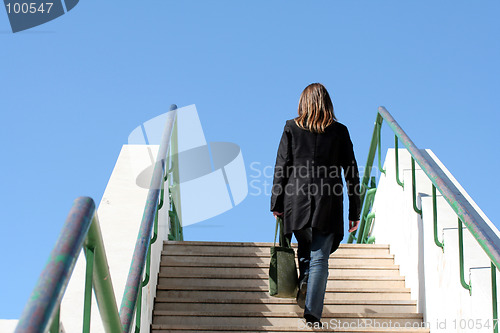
[{"x": 307, "y": 185}]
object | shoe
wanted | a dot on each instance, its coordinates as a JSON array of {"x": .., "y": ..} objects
[
  {"x": 310, "y": 319},
  {"x": 301, "y": 294}
]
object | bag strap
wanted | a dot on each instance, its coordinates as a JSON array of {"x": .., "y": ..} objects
[
  {"x": 287, "y": 242},
  {"x": 276, "y": 231}
]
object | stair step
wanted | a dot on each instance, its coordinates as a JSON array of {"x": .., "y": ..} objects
[
  {"x": 197, "y": 260},
  {"x": 277, "y": 300},
  {"x": 170, "y": 273},
  {"x": 263, "y": 251},
  {"x": 286, "y": 305},
  {"x": 263, "y": 295},
  {"x": 281, "y": 329},
  {"x": 345, "y": 270},
  {"x": 267, "y": 244},
  {"x": 178, "y": 262},
  {"x": 235, "y": 281},
  {"x": 223, "y": 287},
  {"x": 265, "y": 288},
  {"x": 235, "y": 318}
]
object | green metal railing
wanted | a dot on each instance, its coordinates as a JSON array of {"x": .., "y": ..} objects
[
  {"x": 483, "y": 234},
  {"x": 366, "y": 217},
  {"x": 81, "y": 230}
]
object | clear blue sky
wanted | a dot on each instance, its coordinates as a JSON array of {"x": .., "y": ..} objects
[{"x": 74, "y": 88}]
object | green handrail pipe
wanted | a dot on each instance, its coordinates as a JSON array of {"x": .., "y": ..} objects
[
  {"x": 80, "y": 230},
  {"x": 139, "y": 257},
  {"x": 370, "y": 158},
  {"x": 484, "y": 235}
]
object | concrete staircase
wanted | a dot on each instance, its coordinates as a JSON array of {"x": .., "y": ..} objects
[{"x": 223, "y": 287}]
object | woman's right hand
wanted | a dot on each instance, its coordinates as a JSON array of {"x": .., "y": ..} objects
[
  {"x": 353, "y": 226},
  {"x": 276, "y": 214}
]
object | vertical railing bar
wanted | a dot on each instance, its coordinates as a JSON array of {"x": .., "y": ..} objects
[
  {"x": 89, "y": 254},
  {"x": 434, "y": 209},
  {"x": 162, "y": 194},
  {"x": 494, "y": 296},
  {"x": 396, "y": 152},
  {"x": 148, "y": 267},
  {"x": 379, "y": 149},
  {"x": 155, "y": 229},
  {"x": 101, "y": 281},
  {"x": 369, "y": 219},
  {"x": 461, "y": 257},
  {"x": 54, "y": 327},
  {"x": 181, "y": 230},
  {"x": 414, "y": 187},
  {"x": 138, "y": 313},
  {"x": 364, "y": 213},
  {"x": 175, "y": 177}
]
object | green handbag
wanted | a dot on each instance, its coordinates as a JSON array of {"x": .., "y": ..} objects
[{"x": 283, "y": 278}]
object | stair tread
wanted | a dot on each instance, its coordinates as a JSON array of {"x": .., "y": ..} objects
[
  {"x": 275, "y": 300},
  {"x": 267, "y": 244},
  {"x": 259, "y": 265},
  {"x": 267, "y": 253},
  {"x": 184, "y": 302},
  {"x": 261, "y": 288},
  {"x": 288, "y": 314},
  {"x": 264, "y": 276},
  {"x": 274, "y": 329}
]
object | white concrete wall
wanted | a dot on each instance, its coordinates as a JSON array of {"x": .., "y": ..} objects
[
  {"x": 7, "y": 325},
  {"x": 120, "y": 214},
  {"x": 433, "y": 275}
]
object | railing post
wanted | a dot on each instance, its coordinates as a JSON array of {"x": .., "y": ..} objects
[
  {"x": 364, "y": 213},
  {"x": 414, "y": 188},
  {"x": 494, "y": 296},
  {"x": 138, "y": 312},
  {"x": 434, "y": 209},
  {"x": 461, "y": 257},
  {"x": 87, "y": 303},
  {"x": 396, "y": 153},
  {"x": 102, "y": 284},
  {"x": 368, "y": 223},
  {"x": 379, "y": 139},
  {"x": 54, "y": 327}
]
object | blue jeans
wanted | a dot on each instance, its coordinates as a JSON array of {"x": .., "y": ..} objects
[{"x": 313, "y": 253}]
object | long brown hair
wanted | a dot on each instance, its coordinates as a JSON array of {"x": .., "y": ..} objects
[{"x": 315, "y": 109}]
